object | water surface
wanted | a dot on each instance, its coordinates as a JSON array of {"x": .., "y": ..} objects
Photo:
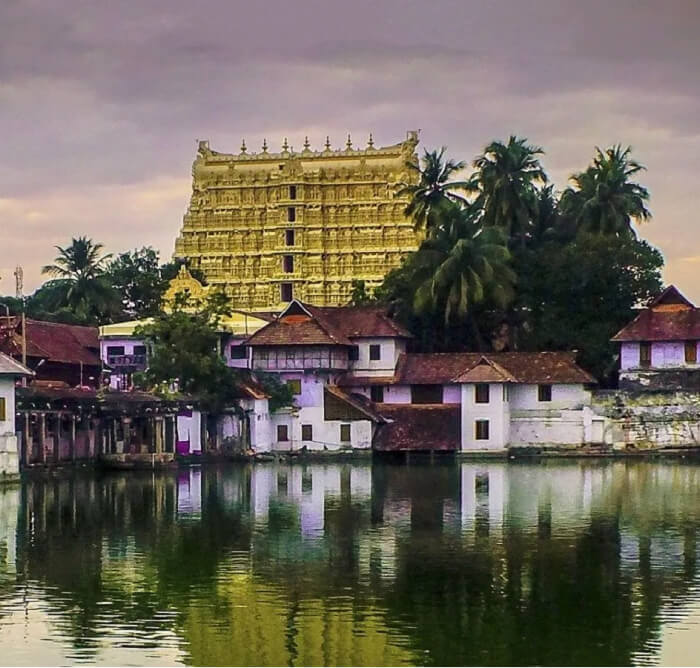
[{"x": 555, "y": 563}]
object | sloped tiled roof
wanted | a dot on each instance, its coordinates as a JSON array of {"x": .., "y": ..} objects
[
  {"x": 514, "y": 367},
  {"x": 57, "y": 342},
  {"x": 357, "y": 401},
  {"x": 10, "y": 367},
  {"x": 303, "y": 324},
  {"x": 418, "y": 427}
]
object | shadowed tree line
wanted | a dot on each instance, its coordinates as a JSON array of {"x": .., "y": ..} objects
[
  {"x": 510, "y": 263},
  {"x": 87, "y": 286}
]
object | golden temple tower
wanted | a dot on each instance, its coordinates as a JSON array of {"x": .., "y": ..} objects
[{"x": 269, "y": 227}]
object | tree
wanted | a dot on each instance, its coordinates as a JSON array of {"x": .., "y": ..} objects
[
  {"x": 80, "y": 283},
  {"x": 138, "y": 279},
  {"x": 577, "y": 295},
  {"x": 505, "y": 184},
  {"x": 184, "y": 351},
  {"x": 462, "y": 265},
  {"x": 603, "y": 199},
  {"x": 359, "y": 295},
  {"x": 434, "y": 191}
]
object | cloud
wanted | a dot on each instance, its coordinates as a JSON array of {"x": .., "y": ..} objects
[{"x": 101, "y": 103}]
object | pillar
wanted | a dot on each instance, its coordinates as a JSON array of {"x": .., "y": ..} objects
[
  {"x": 42, "y": 437},
  {"x": 27, "y": 440},
  {"x": 57, "y": 439},
  {"x": 158, "y": 424},
  {"x": 73, "y": 453}
]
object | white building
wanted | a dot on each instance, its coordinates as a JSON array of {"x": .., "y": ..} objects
[
  {"x": 10, "y": 370},
  {"x": 356, "y": 387}
]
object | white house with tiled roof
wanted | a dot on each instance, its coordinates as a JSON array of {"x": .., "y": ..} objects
[
  {"x": 10, "y": 371},
  {"x": 357, "y": 387}
]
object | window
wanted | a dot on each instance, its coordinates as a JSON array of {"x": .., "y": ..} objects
[
  {"x": 289, "y": 237},
  {"x": 291, "y": 214},
  {"x": 645, "y": 354},
  {"x": 344, "y": 433},
  {"x": 691, "y": 352},
  {"x": 295, "y": 385},
  {"x": 115, "y": 350},
  {"x": 139, "y": 350},
  {"x": 544, "y": 393},
  {"x": 238, "y": 352},
  {"x": 286, "y": 292},
  {"x": 377, "y": 393},
  {"x": 481, "y": 393},
  {"x": 3, "y": 409},
  {"x": 375, "y": 351},
  {"x": 282, "y": 434},
  {"x": 288, "y": 264},
  {"x": 426, "y": 394},
  {"x": 481, "y": 430},
  {"x": 354, "y": 353},
  {"x": 506, "y": 393},
  {"x": 307, "y": 432},
  {"x": 292, "y": 192}
]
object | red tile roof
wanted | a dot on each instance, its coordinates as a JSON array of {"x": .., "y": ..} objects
[
  {"x": 652, "y": 325},
  {"x": 418, "y": 427},
  {"x": 303, "y": 324},
  {"x": 358, "y": 401},
  {"x": 56, "y": 342},
  {"x": 669, "y": 317},
  {"x": 446, "y": 368}
]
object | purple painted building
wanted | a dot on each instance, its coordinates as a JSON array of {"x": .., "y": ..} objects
[{"x": 660, "y": 348}]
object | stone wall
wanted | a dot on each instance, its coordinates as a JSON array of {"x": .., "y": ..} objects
[
  {"x": 645, "y": 420},
  {"x": 9, "y": 457}
]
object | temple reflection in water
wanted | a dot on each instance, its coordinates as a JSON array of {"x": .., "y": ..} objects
[{"x": 351, "y": 564}]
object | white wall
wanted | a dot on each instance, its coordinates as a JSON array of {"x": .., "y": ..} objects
[
  {"x": 496, "y": 412},
  {"x": 564, "y": 396},
  {"x": 260, "y": 424},
  {"x": 190, "y": 429},
  {"x": 390, "y": 350},
  {"x": 9, "y": 456}
]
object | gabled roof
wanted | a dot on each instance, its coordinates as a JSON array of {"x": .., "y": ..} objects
[
  {"x": 304, "y": 324},
  {"x": 487, "y": 371},
  {"x": 356, "y": 401},
  {"x": 669, "y": 317},
  {"x": 417, "y": 427},
  {"x": 10, "y": 367},
  {"x": 448, "y": 368}
]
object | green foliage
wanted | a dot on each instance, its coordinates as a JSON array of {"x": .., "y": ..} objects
[
  {"x": 574, "y": 273},
  {"x": 184, "y": 352},
  {"x": 359, "y": 295},
  {"x": 80, "y": 286},
  {"x": 603, "y": 199},
  {"x": 434, "y": 191},
  {"x": 280, "y": 395},
  {"x": 138, "y": 279}
]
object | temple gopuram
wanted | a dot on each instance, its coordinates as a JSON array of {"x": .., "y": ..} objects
[{"x": 271, "y": 227}]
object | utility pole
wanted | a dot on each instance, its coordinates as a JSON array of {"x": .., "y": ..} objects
[{"x": 19, "y": 293}]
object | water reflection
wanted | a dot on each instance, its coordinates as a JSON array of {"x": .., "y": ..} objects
[{"x": 552, "y": 563}]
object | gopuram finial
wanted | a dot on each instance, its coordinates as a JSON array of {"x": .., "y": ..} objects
[
  {"x": 306, "y": 143},
  {"x": 370, "y": 141},
  {"x": 243, "y": 147},
  {"x": 328, "y": 143},
  {"x": 348, "y": 143},
  {"x": 264, "y": 146},
  {"x": 285, "y": 146}
]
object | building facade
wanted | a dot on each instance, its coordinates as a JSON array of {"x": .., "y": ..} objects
[
  {"x": 10, "y": 371},
  {"x": 660, "y": 348},
  {"x": 271, "y": 227},
  {"x": 356, "y": 387}
]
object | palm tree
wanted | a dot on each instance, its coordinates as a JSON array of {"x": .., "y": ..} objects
[
  {"x": 460, "y": 266},
  {"x": 79, "y": 273},
  {"x": 434, "y": 191},
  {"x": 603, "y": 198},
  {"x": 505, "y": 182}
]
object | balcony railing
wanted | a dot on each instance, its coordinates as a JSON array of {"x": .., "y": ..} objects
[{"x": 134, "y": 361}]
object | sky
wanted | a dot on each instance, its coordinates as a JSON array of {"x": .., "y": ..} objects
[{"x": 102, "y": 101}]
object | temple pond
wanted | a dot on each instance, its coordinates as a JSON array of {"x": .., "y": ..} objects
[{"x": 591, "y": 562}]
